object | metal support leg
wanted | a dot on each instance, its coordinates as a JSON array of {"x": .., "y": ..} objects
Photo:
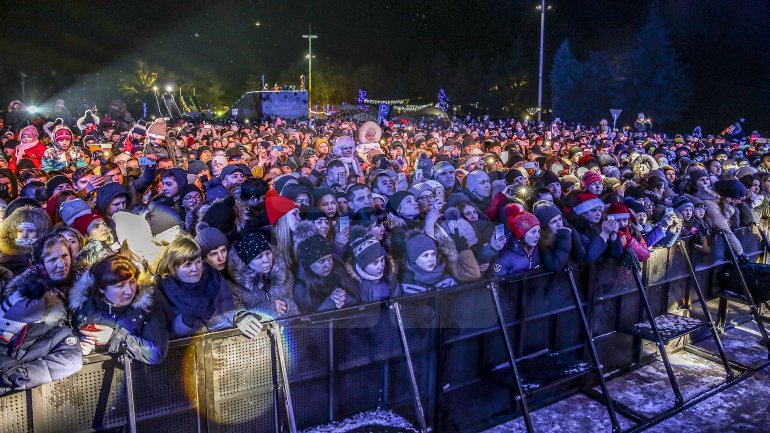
[
  {"x": 276, "y": 330},
  {"x": 658, "y": 339},
  {"x": 412, "y": 378},
  {"x": 745, "y": 287},
  {"x": 511, "y": 357},
  {"x": 126, "y": 359},
  {"x": 592, "y": 350},
  {"x": 704, "y": 307}
]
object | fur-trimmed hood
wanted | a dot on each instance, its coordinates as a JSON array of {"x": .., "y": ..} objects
[
  {"x": 390, "y": 270},
  {"x": 644, "y": 159},
  {"x": 55, "y": 312},
  {"x": 83, "y": 289}
]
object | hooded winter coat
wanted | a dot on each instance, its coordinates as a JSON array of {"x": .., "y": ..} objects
[
  {"x": 384, "y": 288},
  {"x": 313, "y": 294},
  {"x": 105, "y": 195},
  {"x": 48, "y": 351},
  {"x": 254, "y": 292},
  {"x": 718, "y": 214},
  {"x": 141, "y": 325}
]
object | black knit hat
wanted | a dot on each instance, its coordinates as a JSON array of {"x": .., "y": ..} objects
[
  {"x": 395, "y": 200},
  {"x": 548, "y": 177},
  {"x": 249, "y": 246},
  {"x": 222, "y": 215},
  {"x": 308, "y": 213},
  {"x": 730, "y": 188},
  {"x": 312, "y": 249},
  {"x": 54, "y": 182}
]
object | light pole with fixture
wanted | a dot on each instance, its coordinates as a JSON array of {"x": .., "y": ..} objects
[
  {"x": 542, "y": 7},
  {"x": 309, "y": 36}
]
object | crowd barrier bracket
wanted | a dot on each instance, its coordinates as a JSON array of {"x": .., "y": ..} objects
[
  {"x": 640, "y": 330},
  {"x": 702, "y": 302},
  {"x": 529, "y": 372},
  {"x": 412, "y": 378},
  {"x": 276, "y": 331},
  {"x": 593, "y": 352},
  {"x": 744, "y": 297},
  {"x": 126, "y": 360},
  {"x": 520, "y": 397}
]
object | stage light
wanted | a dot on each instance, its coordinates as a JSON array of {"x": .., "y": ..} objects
[
  {"x": 32, "y": 109},
  {"x": 170, "y": 88}
]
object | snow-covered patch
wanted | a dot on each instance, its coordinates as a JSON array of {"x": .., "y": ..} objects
[
  {"x": 647, "y": 389},
  {"x": 740, "y": 408},
  {"x": 577, "y": 413},
  {"x": 741, "y": 344},
  {"x": 373, "y": 421},
  {"x": 671, "y": 324}
]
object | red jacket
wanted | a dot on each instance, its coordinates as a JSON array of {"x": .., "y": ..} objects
[{"x": 34, "y": 154}]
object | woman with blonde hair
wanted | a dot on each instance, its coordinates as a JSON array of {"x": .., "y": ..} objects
[
  {"x": 283, "y": 215},
  {"x": 197, "y": 298}
]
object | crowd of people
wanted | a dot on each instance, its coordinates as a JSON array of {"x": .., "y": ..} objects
[{"x": 118, "y": 238}]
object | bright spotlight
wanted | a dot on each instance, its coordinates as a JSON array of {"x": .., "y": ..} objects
[
  {"x": 169, "y": 88},
  {"x": 32, "y": 109},
  {"x": 155, "y": 88}
]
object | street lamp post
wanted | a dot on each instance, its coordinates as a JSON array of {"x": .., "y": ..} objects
[
  {"x": 540, "y": 73},
  {"x": 309, "y": 36}
]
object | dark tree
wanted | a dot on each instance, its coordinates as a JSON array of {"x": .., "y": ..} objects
[
  {"x": 655, "y": 81},
  {"x": 566, "y": 80},
  {"x": 598, "y": 86}
]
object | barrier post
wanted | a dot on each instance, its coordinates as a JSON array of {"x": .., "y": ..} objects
[
  {"x": 704, "y": 307},
  {"x": 592, "y": 349},
  {"x": 276, "y": 331},
  {"x": 658, "y": 340},
  {"x": 520, "y": 396},
  {"x": 126, "y": 360},
  {"x": 412, "y": 378}
]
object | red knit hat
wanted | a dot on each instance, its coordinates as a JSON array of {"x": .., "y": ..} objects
[
  {"x": 278, "y": 206},
  {"x": 84, "y": 222},
  {"x": 619, "y": 210},
  {"x": 585, "y": 202},
  {"x": 590, "y": 177},
  {"x": 519, "y": 221},
  {"x": 62, "y": 133},
  {"x": 585, "y": 159}
]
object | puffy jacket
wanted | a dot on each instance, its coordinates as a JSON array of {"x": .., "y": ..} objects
[
  {"x": 142, "y": 325},
  {"x": 513, "y": 259},
  {"x": 48, "y": 351},
  {"x": 718, "y": 216}
]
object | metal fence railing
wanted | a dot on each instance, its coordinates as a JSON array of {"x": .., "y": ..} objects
[{"x": 343, "y": 362}]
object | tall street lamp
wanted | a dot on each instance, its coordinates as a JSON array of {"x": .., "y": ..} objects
[
  {"x": 309, "y": 36},
  {"x": 542, "y": 8}
]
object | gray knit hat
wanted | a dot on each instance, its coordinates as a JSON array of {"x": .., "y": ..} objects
[{"x": 209, "y": 238}]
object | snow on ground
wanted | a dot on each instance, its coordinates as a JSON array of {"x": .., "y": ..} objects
[
  {"x": 647, "y": 389},
  {"x": 576, "y": 414},
  {"x": 741, "y": 344},
  {"x": 739, "y": 409},
  {"x": 373, "y": 421}
]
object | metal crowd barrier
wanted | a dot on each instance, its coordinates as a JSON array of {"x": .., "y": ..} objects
[{"x": 344, "y": 362}]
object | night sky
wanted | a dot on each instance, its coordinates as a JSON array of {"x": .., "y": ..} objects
[{"x": 66, "y": 46}]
